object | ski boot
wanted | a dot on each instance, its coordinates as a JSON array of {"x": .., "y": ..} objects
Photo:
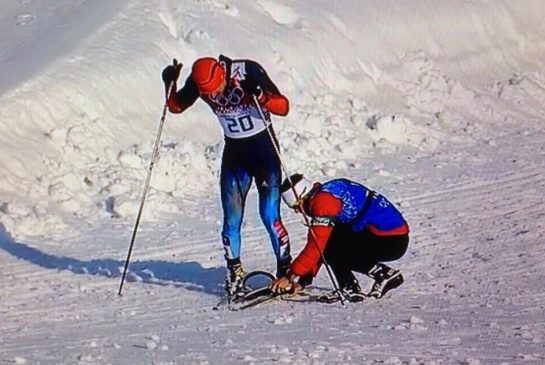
[
  {"x": 350, "y": 291},
  {"x": 234, "y": 279},
  {"x": 386, "y": 279}
]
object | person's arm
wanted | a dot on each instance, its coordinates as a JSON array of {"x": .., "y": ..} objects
[
  {"x": 179, "y": 101},
  {"x": 260, "y": 84},
  {"x": 323, "y": 207}
]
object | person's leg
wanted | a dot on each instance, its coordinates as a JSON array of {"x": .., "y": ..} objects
[
  {"x": 268, "y": 177},
  {"x": 234, "y": 184},
  {"x": 234, "y": 188},
  {"x": 372, "y": 252},
  {"x": 337, "y": 255},
  {"x": 371, "y": 249}
]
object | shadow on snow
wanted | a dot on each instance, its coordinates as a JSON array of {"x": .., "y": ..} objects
[{"x": 189, "y": 275}]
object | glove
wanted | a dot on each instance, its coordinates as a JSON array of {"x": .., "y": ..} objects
[
  {"x": 171, "y": 73},
  {"x": 284, "y": 285},
  {"x": 251, "y": 87},
  {"x": 305, "y": 280}
]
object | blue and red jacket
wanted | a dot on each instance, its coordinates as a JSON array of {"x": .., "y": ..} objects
[
  {"x": 236, "y": 109},
  {"x": 344, "y": 202}
]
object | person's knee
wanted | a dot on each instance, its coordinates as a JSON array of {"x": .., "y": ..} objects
[
  {"x": 270, "y": 218},
  {"x": 400, "y": 248},
  {"x": 333, "y": 255},
  {"x": 231, "y": 227}
]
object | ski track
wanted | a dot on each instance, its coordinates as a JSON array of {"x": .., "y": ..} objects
[
  {"x": 474, "y": 270},
  {"x": 451, "y": 244}
]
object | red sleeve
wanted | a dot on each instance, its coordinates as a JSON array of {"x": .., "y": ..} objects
[
  {"x": 275, "y": 103},
  {"x": 173, "y": 105},
  {"x": 322, "y": 205},
  {"x": 271, "y": 98},
  {"x": 179, "y": 101},
  {"x": 308, "y": 260}
]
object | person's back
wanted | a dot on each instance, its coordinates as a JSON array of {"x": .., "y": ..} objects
[
  {"x": 364, "y": 208},
  {"x": 353, "y": 228}
]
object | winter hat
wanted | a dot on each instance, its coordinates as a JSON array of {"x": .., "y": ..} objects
[
  {"x": 301, "y": 185},
  {"x": 208, "y": 74}
]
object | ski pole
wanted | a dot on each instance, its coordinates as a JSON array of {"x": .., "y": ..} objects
[
  {"x": 305, "y": 217},
  {"x": 143, "y": 199}
]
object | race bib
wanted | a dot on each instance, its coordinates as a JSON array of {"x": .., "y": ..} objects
[{"x": 238, "y": 125}]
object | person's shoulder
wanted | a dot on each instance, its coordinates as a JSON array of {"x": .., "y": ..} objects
[
  {"x": 251, "y": 66},
  {"x": 190, "y": 86},
  {"x": 247, "y": 62},
  {"x": 322, "y": 196},
  {"x": 323, "y": 203}
]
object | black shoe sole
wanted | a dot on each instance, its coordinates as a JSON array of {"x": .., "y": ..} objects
[{"x": 391, "y": 284}]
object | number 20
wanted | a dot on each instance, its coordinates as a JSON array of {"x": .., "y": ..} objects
[{"x": 242, "y": 124}]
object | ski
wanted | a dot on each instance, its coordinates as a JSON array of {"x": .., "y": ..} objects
[
  {"x": 249, "y": 299},
  {"x": 306, "y": 297},
  {"x": 325, "y": 297},
  {"x": 252, "y": 299},
  {"x": 250, "y": 296},
  {"x": 263, "y": 295}
]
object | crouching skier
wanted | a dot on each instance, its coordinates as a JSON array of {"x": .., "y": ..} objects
[
  {"x": 228, "y": 87},
  {"x": 354, "y": 227}
]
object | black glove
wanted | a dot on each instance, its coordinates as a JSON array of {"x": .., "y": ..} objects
[
  {"x": 251, "y": 87},
  {"x": 171, "y": 72},
  {"x": 306, "y": 280}
]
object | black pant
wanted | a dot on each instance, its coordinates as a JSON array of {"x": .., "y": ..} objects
[{"x": 348, "y": 251}]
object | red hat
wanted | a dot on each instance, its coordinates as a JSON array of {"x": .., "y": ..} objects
[{"x": 208, "y": 74}]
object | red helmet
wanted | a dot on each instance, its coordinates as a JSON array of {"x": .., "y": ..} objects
[{"x": 208, "y": 74}]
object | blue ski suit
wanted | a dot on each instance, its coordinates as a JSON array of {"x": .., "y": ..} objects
[{"x": 248, "y": 153}]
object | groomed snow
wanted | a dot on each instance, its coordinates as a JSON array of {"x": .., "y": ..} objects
[{"x": 440, "y": 105}]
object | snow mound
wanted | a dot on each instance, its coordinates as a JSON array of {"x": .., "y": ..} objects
[{"x": 362, "y": 79}]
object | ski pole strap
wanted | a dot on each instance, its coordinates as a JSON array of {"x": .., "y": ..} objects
[{"x": 371, "y": 195}]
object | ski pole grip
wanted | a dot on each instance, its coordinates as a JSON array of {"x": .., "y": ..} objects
[
  {"x": 168, "y": 88},
  {"x": 176, "y": 64}
]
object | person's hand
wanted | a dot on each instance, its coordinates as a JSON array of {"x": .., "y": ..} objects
[
  {"x": 251, "y": 87},
  {"x": 285, "y": 285},
  {"x": 171, "y": 73}
]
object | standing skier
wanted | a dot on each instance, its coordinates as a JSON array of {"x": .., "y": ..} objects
[
  {"x": 229, "y": 87},
  {"x": 354, "y": 227}
]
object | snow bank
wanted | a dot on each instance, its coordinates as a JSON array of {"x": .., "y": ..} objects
[{"x": 362, "y": 76}]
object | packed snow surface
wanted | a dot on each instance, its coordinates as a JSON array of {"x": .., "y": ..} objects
[{"x": 439, "y": 105}]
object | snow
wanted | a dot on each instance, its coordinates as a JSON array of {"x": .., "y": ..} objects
[{"x": 440, "y": 105}]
